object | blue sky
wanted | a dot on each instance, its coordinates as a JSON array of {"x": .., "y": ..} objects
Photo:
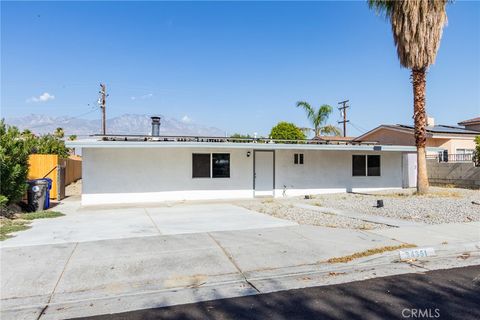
[{"x": 237, "y": 66}]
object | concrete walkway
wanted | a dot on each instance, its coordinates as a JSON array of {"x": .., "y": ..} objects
[
  {"x": 86, "y": 278},
  {"x": 360, "y": 216}
]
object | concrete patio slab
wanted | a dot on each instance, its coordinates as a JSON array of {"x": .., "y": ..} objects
[
  {"x": 92, "y": 224},
  {"x": 182, "y": 219},
  {"x": 145, "y": 264},
  {"x": 273, "y": 248},
  {"x": 30, "y": 274},
  {"x": 86, "y": 225}
]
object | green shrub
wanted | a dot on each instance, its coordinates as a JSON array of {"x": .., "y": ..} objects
[
  {"x": 14, "y": 151},
  {"x": 49, "y": 144},
  {"x": 15, "y": 147},
  {"x": 287, "y": 131}
]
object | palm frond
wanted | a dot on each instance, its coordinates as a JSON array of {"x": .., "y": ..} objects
[
  {"x": 308, "y": 109},
  {"x": 330, "y": 130},
  {"x": 417, "y": 27},
  {"x": 323, "y": 113}
]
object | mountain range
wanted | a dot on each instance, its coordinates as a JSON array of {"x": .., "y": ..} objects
[{"x": 124, "y": 124}]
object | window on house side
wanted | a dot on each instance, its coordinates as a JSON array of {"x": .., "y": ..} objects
[
  {"x": 220, "y": 165},
  {"x": 201, "y": 165},
  {"x": 366, "y": 165},
  {"x": 373, "y": 165},
  {"x": 359, "y": 165},
  {"x": 298, "y": 158}
]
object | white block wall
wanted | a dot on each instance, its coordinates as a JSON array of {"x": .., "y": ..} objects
[{"x": 137, "y": 175}]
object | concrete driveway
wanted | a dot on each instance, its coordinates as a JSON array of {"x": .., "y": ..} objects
[{"x": 91, "y": 224}]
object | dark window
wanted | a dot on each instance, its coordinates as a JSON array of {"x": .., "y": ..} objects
[
  {"x": 221, "y": 165},
  {"x": 373, "y": 168},
  {"x": 359, "y": 166},
  {"x": 201, "y": 165},
  {"x": 298, "y": 158}
]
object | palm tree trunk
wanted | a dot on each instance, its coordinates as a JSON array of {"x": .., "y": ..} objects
[{"x": 419, "y": 84}]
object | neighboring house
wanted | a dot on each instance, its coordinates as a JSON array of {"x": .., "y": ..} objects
[
  {"x": 471, "y": 124},
  {"x": 452, "y": 140},
  {"x": 119, "y": 169}
]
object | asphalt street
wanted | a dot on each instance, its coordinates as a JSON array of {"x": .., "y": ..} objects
[{"x": 441, "y": 294}]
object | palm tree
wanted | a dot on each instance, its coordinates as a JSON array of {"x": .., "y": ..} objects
[
  {"x": 417, "y": 27},
  {"x": 318, "y": 118}
]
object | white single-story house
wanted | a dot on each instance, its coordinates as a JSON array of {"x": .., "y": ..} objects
[{"x": 119, "y": 170}]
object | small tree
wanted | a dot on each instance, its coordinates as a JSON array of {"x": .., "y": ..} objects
[
  {"x": 50, "y": 144},
  {"x": 476, "y": 153},
  {"x": 72, "y": 137},
  {"x": 59, "y": 133},
  {"x": 14, "y": 151},
  {"x": 287, "y": 131}
]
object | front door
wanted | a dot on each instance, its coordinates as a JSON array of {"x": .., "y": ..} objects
[{"x": 264, "y": 172}]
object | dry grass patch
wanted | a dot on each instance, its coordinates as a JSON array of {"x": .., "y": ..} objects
[
  {"x": 369, "y": 252},
  {"x": 442, "y": 194},
  {"x": 8, "y": 226}
]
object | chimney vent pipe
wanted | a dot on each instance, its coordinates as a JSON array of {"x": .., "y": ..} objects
[{"x": 155, "y": 126}]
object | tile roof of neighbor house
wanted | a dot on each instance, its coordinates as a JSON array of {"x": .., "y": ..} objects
[
  {"x": 470, "y": 121},
  {"x": 437, "y": 129},
  {"x": 334, "y": 138}
]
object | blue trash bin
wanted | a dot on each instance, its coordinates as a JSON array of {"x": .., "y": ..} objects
[{"x": 47, "y": 197}]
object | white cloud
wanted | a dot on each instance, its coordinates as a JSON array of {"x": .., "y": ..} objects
[
  {"x": 145, "y": 96},
  {"x": 44, "y": 97},
  {"x": 186, "y": 119}
]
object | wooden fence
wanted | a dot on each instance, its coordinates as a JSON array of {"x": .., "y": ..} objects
[
  {"x": 73, "y": 169},
  {"x": 61, "y": 171}
]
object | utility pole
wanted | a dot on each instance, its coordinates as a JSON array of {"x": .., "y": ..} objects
[
  {"x": 103, "y": 101},
  {"x": 343, "y": 111}
]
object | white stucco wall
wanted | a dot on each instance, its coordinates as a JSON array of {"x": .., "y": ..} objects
[
  {"x": 136, "y": 175},
  {"x": 331, "y": 171}
]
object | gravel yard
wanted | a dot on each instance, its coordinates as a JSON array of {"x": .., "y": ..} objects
[
  {"x": 284, "y": 209},
  {"x": 441, "y": 205}
]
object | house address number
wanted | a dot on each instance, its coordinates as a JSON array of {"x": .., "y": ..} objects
[{"x": 417, "y": 253}]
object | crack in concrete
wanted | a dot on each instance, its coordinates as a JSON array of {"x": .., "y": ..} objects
[
  {"x": 230, "y": 258},
  {"x": 153, "y": 222},
  {"x": 58, "y": 281}
]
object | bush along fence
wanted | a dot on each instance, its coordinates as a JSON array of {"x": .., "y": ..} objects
[{"x": 61, "y": 171}]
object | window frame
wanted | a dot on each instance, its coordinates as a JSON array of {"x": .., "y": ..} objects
[
  {"x": 229, "y": 162},
  {"x": 366, "y": 156},
  {"x": 210, "y": 154},
  {"x": 298, "y": 158},
  {"x": 209, "y": 163}
]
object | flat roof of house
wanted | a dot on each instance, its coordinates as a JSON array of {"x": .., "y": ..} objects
[{"x": 227, "y": 143}]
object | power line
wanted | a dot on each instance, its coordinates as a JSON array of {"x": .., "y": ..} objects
[{"x": 359, "y": 128}]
